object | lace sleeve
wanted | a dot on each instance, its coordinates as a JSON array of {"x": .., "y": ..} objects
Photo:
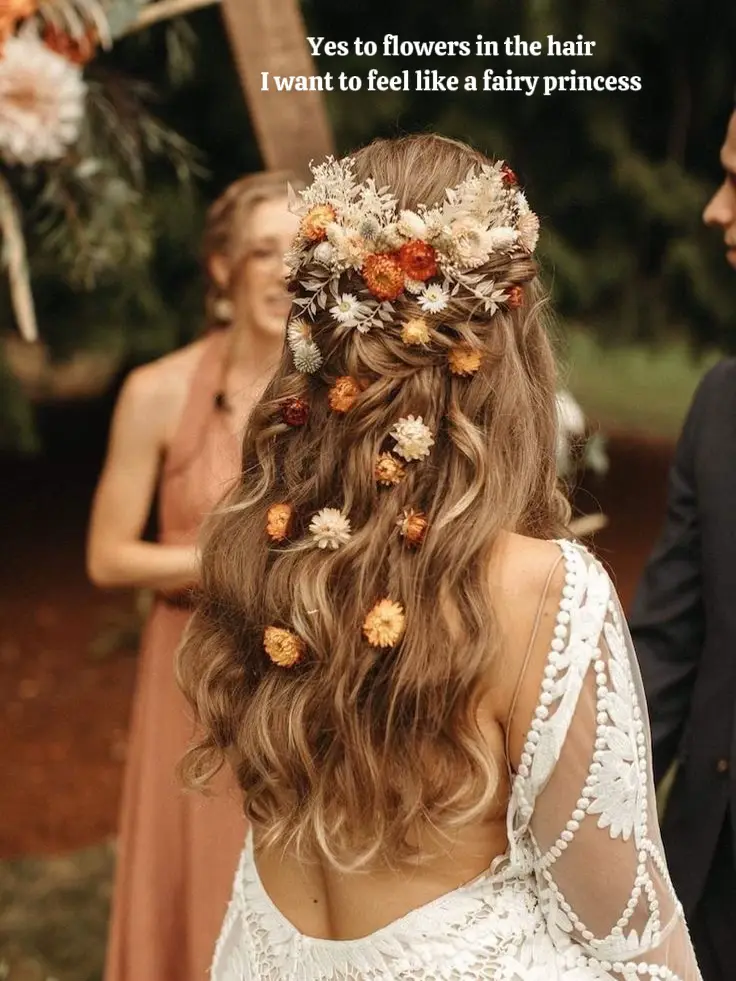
[{"x": 584, "y": 795}]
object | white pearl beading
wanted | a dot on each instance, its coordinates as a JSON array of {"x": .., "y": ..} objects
[{"x": 552, "y": 689}]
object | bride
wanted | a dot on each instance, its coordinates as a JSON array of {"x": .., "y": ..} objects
[{"x": 428, "y": 695}]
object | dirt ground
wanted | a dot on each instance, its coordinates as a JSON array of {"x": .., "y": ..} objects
[{"x": 67, "y": 667}]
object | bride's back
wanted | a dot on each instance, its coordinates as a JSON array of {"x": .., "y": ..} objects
[{"x": 526, "y": 580}]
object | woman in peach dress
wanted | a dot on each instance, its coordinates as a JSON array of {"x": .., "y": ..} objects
[{"x": 176, "y": 431}]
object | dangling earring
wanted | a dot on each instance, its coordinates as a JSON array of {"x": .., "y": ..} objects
[{"x": 223, "y": 310}]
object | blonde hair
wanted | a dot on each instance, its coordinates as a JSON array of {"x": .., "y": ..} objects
[
  {"x": 227, "y": 224},
  {"x": 355, "y": 750}
]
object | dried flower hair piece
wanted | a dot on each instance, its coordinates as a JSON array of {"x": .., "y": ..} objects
[
  {"x": 388, "y": 470},
  {"x": 278, "y": 522},
  {"x": 298, "y": 331},
  {"x": 413, "y": 438},
  {"x": 295, "y": 411},
  {"x": 514, "y": 297},
  {"x": 385, "y": 624},
  {"x": 434, "y": 252},
  {"x": 464, "y": 359},
  {"x": 415, "y": 332},
  {"x": 343, "y": 394},
  {"x": 330, "y": 528},
  {"x": 307, "y": 357},
  {"x": 412, "y": 526},
  {"x": 283, "y": 647}
]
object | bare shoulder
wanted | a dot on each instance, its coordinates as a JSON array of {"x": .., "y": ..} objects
[
  {"x": 154, "y": 394},
  {"x": 527, "y": 576},
  {"x": 520, "y": 571}
]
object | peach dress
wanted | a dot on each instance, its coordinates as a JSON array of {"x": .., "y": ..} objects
[{"x": 178, "y": 850}]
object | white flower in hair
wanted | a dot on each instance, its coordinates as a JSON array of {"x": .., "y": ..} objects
[
  {"x": 349, "y": 311},
  {"x": 529, "y": 231},
  {"x": 502, "y": 238},
  {"x": 369, "y": 227},
  {"x": 433, "y": 298},
  {"x": 330, "y": 528},
  {"x": 413, "y": 438},
  {"x": 324, "y": 253},
  {"x": 307, "y": 357},
  {"x": 298, "y": 331},
  {"x": 390, "y": 238},
  {"x": 348, "y": 245},
  {"x": 412, "y": 225},
  {"x": 414, "y": 286},
  {"x": 472, "y": 242}
]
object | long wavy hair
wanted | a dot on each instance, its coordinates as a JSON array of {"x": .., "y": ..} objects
[{"x": 353, "y": 751}]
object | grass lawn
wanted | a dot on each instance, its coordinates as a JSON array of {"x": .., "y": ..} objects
[{"x": 646, "y": 390}]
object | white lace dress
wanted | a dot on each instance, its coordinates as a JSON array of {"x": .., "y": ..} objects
[{"x": 582, "y": 893}]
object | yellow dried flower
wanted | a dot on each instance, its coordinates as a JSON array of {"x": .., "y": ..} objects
[
  {"x": 343, "y": 394},
  {"x": 283, "y": 646},
  {"x": 278, "y": 520},
  {"x": 464, "y": 359},
  {"x": 385, "y": 624},
  {"x": 389, "y": 471},
  {"x": 413, "y": 526},
  {"x": 415, "y": 331}
]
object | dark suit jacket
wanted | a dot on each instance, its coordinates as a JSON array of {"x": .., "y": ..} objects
[{"x": 684, "y": 627}]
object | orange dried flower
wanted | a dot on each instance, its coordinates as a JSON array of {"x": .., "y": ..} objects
[
  {"x": 295, "y": 412},
  {"x": 514, "y": 297},
  {"x": 389, "y": 471},
  {"x": 509, "y": 177},
  {"x": 12, "y": 11},
  {"x": 77, "y": 50},
  {"x": 418, "y": 260},
  {"x": 413, "y": 526},
  {"x": 464, "y": 359},
  {"x": 283, "y": 646},
  {"x": 385, "y": 624},
  {"x": 314, "y": 224},
  {"x": 383, "y": 275},
  {"x": 415, "y": 331},
  {"x": 278, "y": 520},
  {"x": 343, "y": 394}
]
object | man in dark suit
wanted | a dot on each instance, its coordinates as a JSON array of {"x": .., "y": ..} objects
[{"x": 684, "y": 628}]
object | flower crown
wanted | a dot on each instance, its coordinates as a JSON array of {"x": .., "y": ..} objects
[{"x": 433, "y": 252}]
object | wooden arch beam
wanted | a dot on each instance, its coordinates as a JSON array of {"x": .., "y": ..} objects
[{"x": 292, "y": 128}]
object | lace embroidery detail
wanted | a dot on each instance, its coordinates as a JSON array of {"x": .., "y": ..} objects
[{"x": 515, "y": 923}]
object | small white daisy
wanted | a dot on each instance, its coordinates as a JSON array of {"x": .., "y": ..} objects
[
  {"x": 433, "y": 298},
  {"x": 298, "y": 331},
  {"x": 348, "y": 310},
  {"x": 330, "y": 528},
  {"x": 307, "y": 357},
  {"x": 413, "y": 438}
]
